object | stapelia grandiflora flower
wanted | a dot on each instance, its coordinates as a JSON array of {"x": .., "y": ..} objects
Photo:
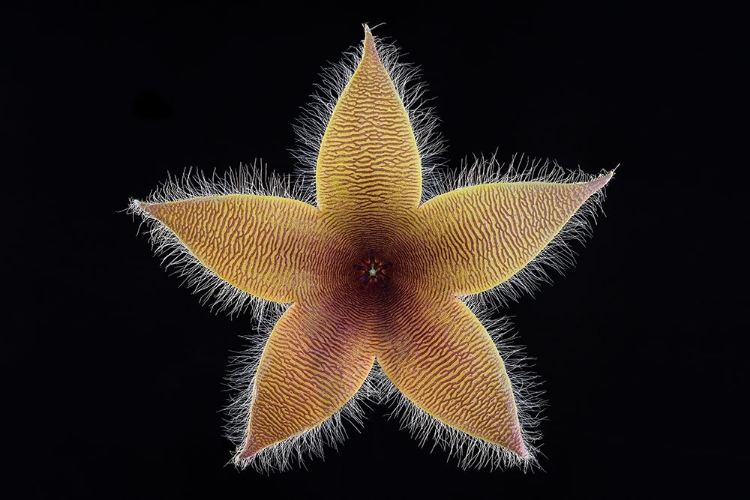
[{"x": 375, "y": 283}]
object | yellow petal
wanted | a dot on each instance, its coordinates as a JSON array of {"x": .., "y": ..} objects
[
  {"x": 315, "y": 360},
  {"x": 266, "y": 246},
  {"x": 440, "y": 357},
  {"x": 368, "y": 160},
  {"x": 480, "y": 236}
]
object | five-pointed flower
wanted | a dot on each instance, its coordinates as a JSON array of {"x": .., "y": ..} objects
[{"x": 375, "y": 276}]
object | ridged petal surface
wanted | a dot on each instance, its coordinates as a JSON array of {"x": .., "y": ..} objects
[
  {"x": 315, "y": 360},
  {"x": 439, "y": 355},
  {"x": 479, "y": 236},
  {"x": 270, "y": 247},
  {"x": 368, "y": 160}
]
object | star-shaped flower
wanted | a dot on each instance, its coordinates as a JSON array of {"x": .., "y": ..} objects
[{"x": 375, "y": 279}]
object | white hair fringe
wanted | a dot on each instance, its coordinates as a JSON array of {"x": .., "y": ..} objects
[{"x": 470, "y": 452}]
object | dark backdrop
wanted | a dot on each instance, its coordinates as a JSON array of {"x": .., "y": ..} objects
[{"x": 116, "y": 380}]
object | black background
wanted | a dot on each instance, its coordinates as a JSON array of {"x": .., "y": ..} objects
[{"x": 116, "y": 379}]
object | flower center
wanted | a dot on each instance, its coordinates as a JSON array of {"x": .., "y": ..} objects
[{"x": 372, "y": 271}]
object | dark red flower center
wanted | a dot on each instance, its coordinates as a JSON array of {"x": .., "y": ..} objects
[{"x": 372, "y": 271}]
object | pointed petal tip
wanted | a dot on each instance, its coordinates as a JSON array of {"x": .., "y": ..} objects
[
  {"x": 595, "y": 185},
  {"x": 136, "y": 205},
  {"x": 370, "y": 47},
  {"x": 248, "y": 451},
  {"x": 141, "y": 207},
  {"x": 522, "y": 451},
  {"x": 147, "y": 209},
  {"x": 253, "y": 445},
  {"x": 518, "y": 445}
]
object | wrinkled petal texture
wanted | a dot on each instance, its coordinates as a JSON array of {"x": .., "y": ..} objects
[
  {"x": 369, "y": 161},
  {"x": 439, "y": 355},
  {"x": 481, "y": 236},
  {"x": 309, "y": 369},
  {"x": 263, "y": 245}
]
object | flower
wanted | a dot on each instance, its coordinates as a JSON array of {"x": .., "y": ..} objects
[{"x": 374, "y": 277}]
